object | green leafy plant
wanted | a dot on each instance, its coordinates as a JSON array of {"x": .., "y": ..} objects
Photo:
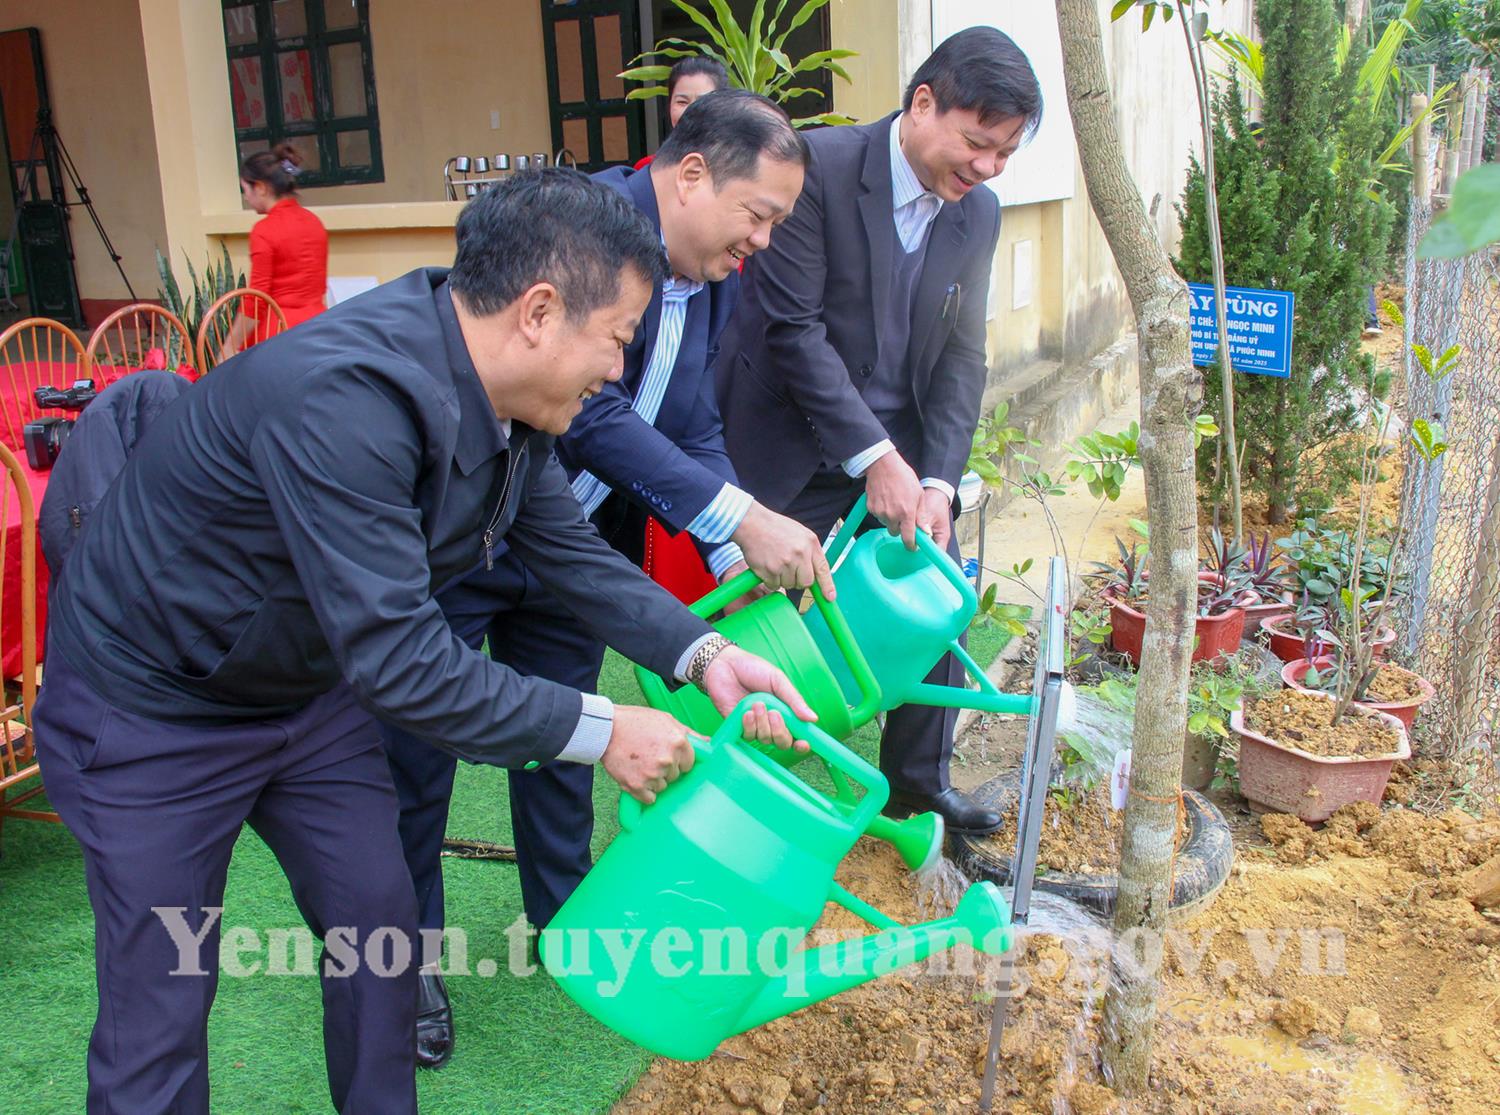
[
  {"x": 1010, "y": 618},
  {"x": 1212, "y": 699},
  {"x": 218, "y": 279},
  {"x": 1090, "y": 625},
  {"x": 1296, "y": 213},
  {"x": 1101, "y": 460},
  {"x": 1321, "y": 559},
  {"x": 754, "y": 55},
  {"x": 1364, "y": 607},
  {"x": 995, "y": 438}
]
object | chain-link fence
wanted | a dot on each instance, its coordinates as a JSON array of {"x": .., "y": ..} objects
[{"x": 1450, "y": 618}]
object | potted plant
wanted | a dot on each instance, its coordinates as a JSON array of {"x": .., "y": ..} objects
[
  {"x": 1223, "y": 593},
  {"x": 1267, "y": 570},
  {"x": 1310, "y": 753},
  {"x": 1384, "y": 687},
  {"x": 1307, "y": 633},
  {"x": 1213, "y": 698},
  {"x": 1297, "y": 755}
]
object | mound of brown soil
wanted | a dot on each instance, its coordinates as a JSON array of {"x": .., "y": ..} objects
[
  {"x": 1080, "y": 835},
  {"x": 1348, "y": 982}
]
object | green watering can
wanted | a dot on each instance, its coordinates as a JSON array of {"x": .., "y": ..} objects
[
  {"x": 905, "y": 609},
  {"x": 772, "y": 628},
  {"x": 687, "y": 930}
]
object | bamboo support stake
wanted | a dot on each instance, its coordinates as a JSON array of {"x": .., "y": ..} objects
[{"x": 1421, "y": 139}]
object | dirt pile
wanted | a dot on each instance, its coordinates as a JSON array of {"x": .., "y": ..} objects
[
  {"x": 1348, "y": 977},
  {"x": 1080, "y": 834}
]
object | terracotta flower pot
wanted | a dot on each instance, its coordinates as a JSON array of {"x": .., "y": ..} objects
[
  {"x": 1405, "y": 711},
  {"x": 1277, "y": 778},
  {"x": 1218, "y": 635},
  {"x": 1257, "y": 614},
  {"x": 1286, "y": 641}
]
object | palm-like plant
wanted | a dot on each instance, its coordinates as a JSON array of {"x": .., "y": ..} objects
[
  {"x": 218, "y": 279},
  {"x": 754, "y": 55}
]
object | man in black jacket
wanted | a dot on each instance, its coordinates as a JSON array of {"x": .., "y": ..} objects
[
  {"x": 856, "y": 360},
  {"x": 260, "y": 579}
]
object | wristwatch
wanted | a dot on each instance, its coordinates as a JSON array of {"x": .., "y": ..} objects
[{"x": 698, "y": 665}]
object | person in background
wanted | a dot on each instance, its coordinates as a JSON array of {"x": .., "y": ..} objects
[
  {"x": 288, "y": 248},
  {"x": 690, "y": 79}
]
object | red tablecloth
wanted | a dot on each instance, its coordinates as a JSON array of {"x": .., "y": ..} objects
[
  {"x": 10, "y": 577},
  {"x": 17, "y": 404}
]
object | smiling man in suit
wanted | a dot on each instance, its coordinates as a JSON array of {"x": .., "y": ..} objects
[
  {"x": 649, "y": 443},
  {"x": 856, "y": 360}
]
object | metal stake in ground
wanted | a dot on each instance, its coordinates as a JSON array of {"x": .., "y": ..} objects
[{"x": 1047, "y": 688}]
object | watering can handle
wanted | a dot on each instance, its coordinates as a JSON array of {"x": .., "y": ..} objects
[
  {"x": 843, "y": 638},
  {"x": 629, "y": 811},
  {"x": 842, "y": 764},
  {"x": 852, "y": 522}
]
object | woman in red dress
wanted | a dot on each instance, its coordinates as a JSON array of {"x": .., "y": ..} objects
[{"x": 288, "y": 247}]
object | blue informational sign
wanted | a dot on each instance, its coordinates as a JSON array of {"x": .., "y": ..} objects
[{"x": 1260, "y": 329}]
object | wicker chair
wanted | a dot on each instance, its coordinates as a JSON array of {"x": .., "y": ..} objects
[
  {"x": 123, "y": 342},
  {"x": 37, "y": 352},
  {"x": 218, "y": 325},
  {"x": 18, "y": 765}
]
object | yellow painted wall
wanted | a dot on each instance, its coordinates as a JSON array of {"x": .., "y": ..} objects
[
  {"x": 379, "y": 241},
  {"x": 1156, "y": 113},
  {"x": 871, "y": 28},
  {"x": 440, "y": 70},
  {"x": 96, "y": 75},
  {"x": 1015, "y": 335}
]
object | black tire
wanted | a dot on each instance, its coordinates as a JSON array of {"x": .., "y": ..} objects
[{"x": 1203, "y": 861}]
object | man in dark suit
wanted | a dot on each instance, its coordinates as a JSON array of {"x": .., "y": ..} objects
[
  {"x": 856, "y": 361},
  {"x": 259, "y": 580},
  {"x": 651, "y": 443}
]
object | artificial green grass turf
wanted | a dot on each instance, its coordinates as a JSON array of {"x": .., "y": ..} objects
[{"x": 522, "y": 1046}]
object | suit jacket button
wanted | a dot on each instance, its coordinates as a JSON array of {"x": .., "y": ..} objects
[
  {"x": 865, "y": 370},
  {"x": 635, "y": 485},
  {"x": 666, "y": 505}
]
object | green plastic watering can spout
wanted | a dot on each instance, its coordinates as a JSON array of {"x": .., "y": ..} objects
[
  {"x": 918, "y": 839},
  {"x": 981, "y": 920}
]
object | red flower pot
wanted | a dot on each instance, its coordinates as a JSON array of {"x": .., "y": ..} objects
[
  {"x": 1405, "y": 711},
  {"x": 1286, "y": 641},
  {"x": 1276, "y": 778},
  {"x": 1217, "y": 635},
  {"x": 1258, "y": 614}
]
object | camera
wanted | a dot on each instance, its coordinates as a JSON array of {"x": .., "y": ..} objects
[
  {"x": 80, "y": 395},
  {"x": 44, "y": 436}
]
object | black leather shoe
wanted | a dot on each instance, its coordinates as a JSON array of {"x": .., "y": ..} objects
[
  {"x": 959, "y": 811},
  {"x": 434, "y": 1022}
]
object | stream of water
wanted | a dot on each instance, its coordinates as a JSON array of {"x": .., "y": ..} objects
[{"x": 1100, "y": 731}]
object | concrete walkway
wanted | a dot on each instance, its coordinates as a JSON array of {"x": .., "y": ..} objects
[{"x": 1088, "y": 525}]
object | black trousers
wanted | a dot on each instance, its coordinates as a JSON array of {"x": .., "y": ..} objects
[
  {"x": 157, "y": 808},
  {"x": 552, "y": 806},
  {"x": 917, "y": 744}
]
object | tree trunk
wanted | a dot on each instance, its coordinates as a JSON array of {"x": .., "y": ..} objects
[
  {"x": 1354, "y": 15},
  {"x": 1279, "y": 492},
  {"x": 1170, "y": 393}
]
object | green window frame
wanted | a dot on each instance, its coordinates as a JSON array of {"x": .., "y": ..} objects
[{"x": 302, "y": 71}]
